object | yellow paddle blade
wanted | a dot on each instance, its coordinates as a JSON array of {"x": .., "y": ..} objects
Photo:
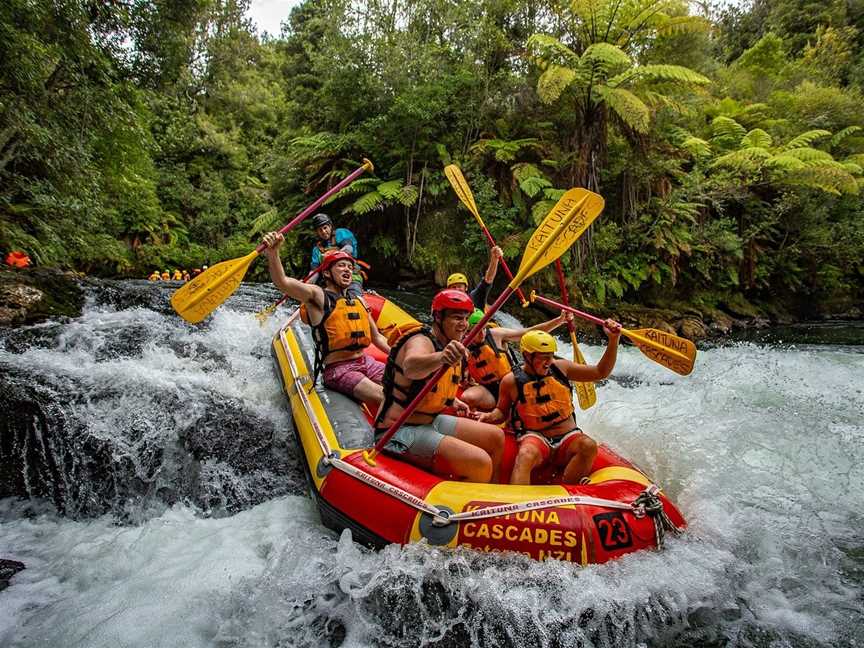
[
  {"x": 585, "y": 391},
  {"x": 265, "y": 313},
  {"x": 576, "y": 210},
  {"x": 463, "y": 191},
  {"x": 196, "y": 299},
  {"x": 669, "y": 350}
]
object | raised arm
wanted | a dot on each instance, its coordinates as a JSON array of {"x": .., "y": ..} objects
[
  {"x": 302, "y": 292},
  {"x": 502, "y": 334},
  {"x": 593, "y": 373}
]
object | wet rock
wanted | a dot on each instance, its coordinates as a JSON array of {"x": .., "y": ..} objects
[
  {"x": 719, "y": 323},
  {"x": 28, "y": 296},
  {"x": 691, "y": 328},
  {"x": 8, "y": 568}
]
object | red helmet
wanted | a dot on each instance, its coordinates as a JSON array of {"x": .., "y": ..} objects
[
  {"x": 332, "y": 257},
  {"x": 450, "y": 299}
]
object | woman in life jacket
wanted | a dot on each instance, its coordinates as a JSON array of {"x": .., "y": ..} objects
[
  {"x": 443, "y": 444},
  {"x": 341, "y": 324},
  {"x": 490, "y": 358},
  {"x": 538, "y": 398}
]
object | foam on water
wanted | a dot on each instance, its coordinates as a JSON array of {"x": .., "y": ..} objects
[{"x": 763, "y": 448}]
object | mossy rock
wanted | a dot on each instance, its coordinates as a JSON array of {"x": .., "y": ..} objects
[
  {"x": 33, "y": 295},
  {"x": 737, "y": 304}
]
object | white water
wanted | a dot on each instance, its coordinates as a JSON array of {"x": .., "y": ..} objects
[{"x": 763, "y": 449}]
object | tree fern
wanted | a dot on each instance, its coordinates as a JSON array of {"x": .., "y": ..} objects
[
  {"x": 757, "y": 138},
  {"x": 727, "y": 131},
  {"x": 366, "y": 203},
  {"x": 553, "y": 82},
  {"x": 629, "y": 108},
  {"x": 843, "y": 134},
  {"x": 805, "y": 139}
]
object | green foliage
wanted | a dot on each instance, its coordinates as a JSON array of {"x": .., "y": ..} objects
[{"x": 730, "y": 152}]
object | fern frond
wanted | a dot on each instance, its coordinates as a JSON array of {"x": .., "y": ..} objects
[
  {"x": 684, "y": 25},
  {"x": 605, "y": 57},
  {"x": 534, "y": 185},
  {"x": 366, "y": 203},
  {"x": 554, "y": 194},
  {"x": 549, "y": 49},
  {"x": 363, "y": 184},
  {"x": 786, "y": 163},
  {"x": 807, "y": 154},
  {"x": 408, "y": 195},
  {"x": 828, "y": 178},
  {"x": 264, "y": 223},
  {"x": 629, "y": 108},
  {"x": 696, "y": 147},
  {"x": 390, "y": 189},
  {"x": 673, "y": 73},
  {"x": 553, "y": 82},
  {"x": 757, "y": 138},
  {"x": 805, "y": 139},
  {"x": 540, "y": 209},
  {"x": 726, "y": 130},
  {"x": 749, "y": 158},
  {"x": 843, "y": 134}
]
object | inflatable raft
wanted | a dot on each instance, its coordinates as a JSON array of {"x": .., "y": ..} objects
[{"x": 618, "y": 512}]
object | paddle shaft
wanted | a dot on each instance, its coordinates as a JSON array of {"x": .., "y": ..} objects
[
  {"x": 433, "y": 380},
  {"x": 351, "y": 177},
  {"x": 633, "y": 335},
  {"x": 565, "y": 294},
  {"x": 569, "y": 309}
]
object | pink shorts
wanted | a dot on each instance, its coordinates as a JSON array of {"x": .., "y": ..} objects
[{"x": 344, "y": 376}]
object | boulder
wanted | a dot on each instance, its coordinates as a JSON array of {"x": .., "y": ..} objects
[
  {"x": 8, "y": 568},
  {"x": 32, "y": 295}
]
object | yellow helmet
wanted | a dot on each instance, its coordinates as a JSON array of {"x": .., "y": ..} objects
[
  {"x": 455, "y": 278},
  {"x": 538, "y": 342}
]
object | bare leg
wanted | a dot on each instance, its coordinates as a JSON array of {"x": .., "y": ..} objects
[
  {"x": 478, "y": 397},
  {"x": 527, "y": 459},
  {"x": 581, "y": 452},
  {"x": 485, "y": 436},
  {"x": 467, "y": 462},
  {"x": 367, "y": 391}
]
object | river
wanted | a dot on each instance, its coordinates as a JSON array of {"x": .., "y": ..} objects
[{"x": 168, "y": 507}]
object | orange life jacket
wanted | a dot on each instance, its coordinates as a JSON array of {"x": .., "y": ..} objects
[
  {"x": 542, "y": 402},
  {"x": 487, "y": 363},
  {"x": 395, "y": 391},
  {"x": 344, "y": 327},
  {"x": 18, "y": 259}
]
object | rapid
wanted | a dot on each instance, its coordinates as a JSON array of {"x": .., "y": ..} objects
[{"x": 165, "y": 502}]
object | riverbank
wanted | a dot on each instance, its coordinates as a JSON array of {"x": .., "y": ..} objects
[{"x": 35, "y": 294}]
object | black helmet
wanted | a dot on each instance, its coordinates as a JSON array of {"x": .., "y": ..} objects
[{"x": 320, "y": 219}]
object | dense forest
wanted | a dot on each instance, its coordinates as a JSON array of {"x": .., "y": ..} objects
[{"x": 727, "y": 141}]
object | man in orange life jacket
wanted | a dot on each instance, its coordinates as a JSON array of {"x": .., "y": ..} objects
[
  {"x": 490, "y": 358},
  {"x": 539, "y": 397},
  {"x": 341, "y": 324},
  {"x": 440, "y": 443}
]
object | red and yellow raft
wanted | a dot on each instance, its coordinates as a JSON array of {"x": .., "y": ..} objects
[{"x": 618, "y": 512}]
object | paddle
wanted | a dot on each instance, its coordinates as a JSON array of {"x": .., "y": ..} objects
[
  {"x": 585, "y": 392},
  {"x": 463, "y": 191},
  {"x": 669, "y": 350},
  {"x": 265, "y": 313},
  {"x": 570, "y": 217},
  {"x": 196, "y": 299}
]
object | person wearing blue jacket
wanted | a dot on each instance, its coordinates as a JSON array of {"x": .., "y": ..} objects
[{"x": 335, "y": 239}]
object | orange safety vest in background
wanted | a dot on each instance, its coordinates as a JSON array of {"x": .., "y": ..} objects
[{"x": 18, "y": 259}]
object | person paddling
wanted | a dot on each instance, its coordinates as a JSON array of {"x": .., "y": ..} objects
[
  {"x": 490, "y": 358},
  {"x": 440, "y": 443},
  {"x": 480, "y": 293},
  {"x": 341, "y": 324},
  {"x": 538, "y": 397}
]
